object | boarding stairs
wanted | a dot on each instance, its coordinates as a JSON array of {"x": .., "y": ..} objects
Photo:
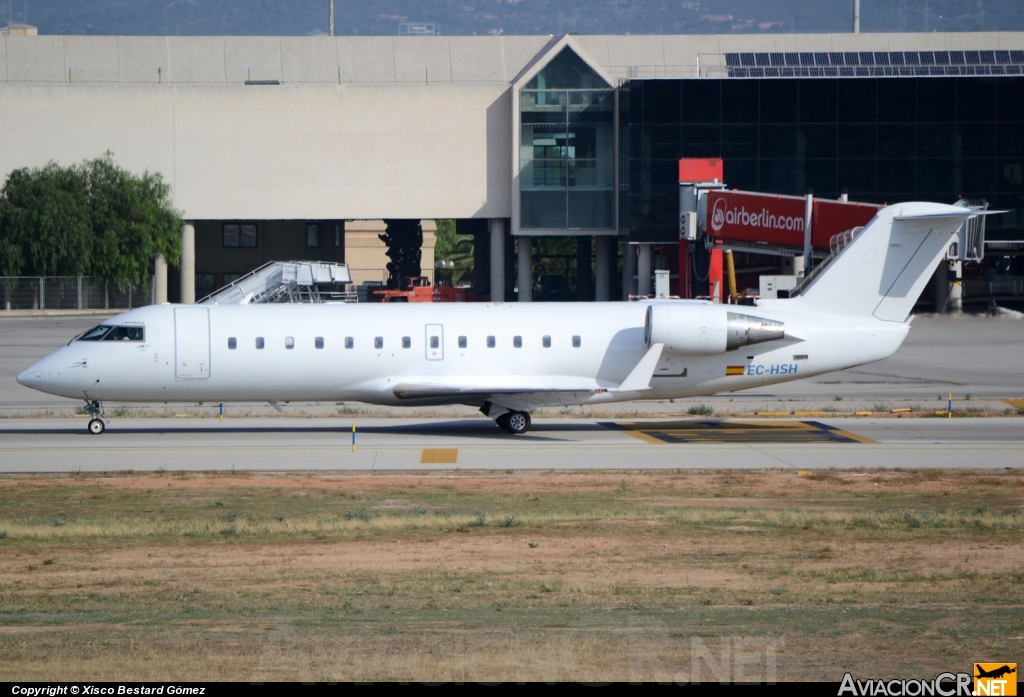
[{"x": 287, "y": 282}]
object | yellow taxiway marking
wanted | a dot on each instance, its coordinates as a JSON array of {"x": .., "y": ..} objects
[
  {"x": 439, "y": 456},
  {"x": 738, "y": 432}
]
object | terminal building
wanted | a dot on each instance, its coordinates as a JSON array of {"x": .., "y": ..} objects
[{"x": 301, "y": 147}]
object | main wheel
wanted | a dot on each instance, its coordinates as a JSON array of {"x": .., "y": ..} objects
[
  {"x": 96, "y": 426},
  {"x": 518, "y": 422}
]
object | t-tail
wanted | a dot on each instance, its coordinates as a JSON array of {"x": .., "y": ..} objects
[{"x": 881, "y": 269}]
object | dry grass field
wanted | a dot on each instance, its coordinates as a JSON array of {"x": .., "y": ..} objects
[{"x": 509, "y": 576}]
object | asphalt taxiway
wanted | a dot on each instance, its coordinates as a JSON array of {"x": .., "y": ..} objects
[{"x": 63, "y": 445}]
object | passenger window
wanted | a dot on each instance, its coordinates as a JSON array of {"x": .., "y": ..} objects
[
  {"x": 576, "y": 342},
  {"x": 462, "y": 342},
  {"x": 349, "y": 342},
  {"x": 259, "y": 342},
  {"x": 490, "y": 342},
  {"x": 378, "y": 342},
  {"x": 435, "y": 342},
  {"x": 318, "y": 342},
  {"x": 546, "y": 341},
  {"x": 289, "y": 342},
  {"x": 232, "y": 343},
  {"x": 517, "y": 341},
  {"x": 406, "y": 342}
]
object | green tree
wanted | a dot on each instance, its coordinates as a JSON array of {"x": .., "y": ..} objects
[
  {"x": 404, "y": 239},
  {"x": 90, "y": 219},
  {"x": 456, "y": 248}
]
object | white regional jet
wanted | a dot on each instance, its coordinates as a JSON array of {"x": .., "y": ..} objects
[{"x": 511, "y": 358}]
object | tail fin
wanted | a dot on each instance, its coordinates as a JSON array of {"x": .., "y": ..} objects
[{"x": 884, "y": 269}]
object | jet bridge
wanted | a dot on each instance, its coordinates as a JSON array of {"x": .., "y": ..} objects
[
  {"x": 287, "y": 282},
  {"x": 808, "y": 230}
]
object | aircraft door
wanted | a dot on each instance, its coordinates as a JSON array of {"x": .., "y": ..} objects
[
  {"x": 435, "y": 342},
  {"x": 191, "y": 343}
]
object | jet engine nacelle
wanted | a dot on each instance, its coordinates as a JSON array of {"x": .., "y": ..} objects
[{"x": 705, "y": 329}]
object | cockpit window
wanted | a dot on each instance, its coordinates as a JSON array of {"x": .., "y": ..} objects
[
  {"x": 125, "y": 334},
  {"x": 96, "y": 333}
]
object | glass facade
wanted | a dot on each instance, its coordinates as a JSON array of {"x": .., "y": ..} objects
[
  {"x": 878, "y": 139},
  {"x": 567, "y": 148}
]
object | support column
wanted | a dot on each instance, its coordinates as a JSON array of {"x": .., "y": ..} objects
[
  {"x": 643, "y": 270},
  {"x": 584, "y": 268},
  {"x": 160, "y": 271},
  {"x": 188, "y": 264},
  {"x": 956, "y": 286},
  {"x": 602, "y": 280},
  {"x": 497, "y": 229},
  {"x": 525, "y": 268},
  {"x": 628, "y": 270},
  {"x": 941, "y": 282}
]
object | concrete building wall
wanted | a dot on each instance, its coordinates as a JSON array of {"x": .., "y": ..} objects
[
  {"x": 358, "y": 128},
  {"x": 280, "y": 151}
]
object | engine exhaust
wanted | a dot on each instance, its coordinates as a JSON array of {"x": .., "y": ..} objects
[{"x": 744, "y": 330}]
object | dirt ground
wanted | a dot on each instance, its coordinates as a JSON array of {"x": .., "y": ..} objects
[{"x": 511, "y": 576}]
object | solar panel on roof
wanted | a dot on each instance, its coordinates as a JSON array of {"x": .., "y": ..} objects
[
  {"x": 1002, "y": 57},
  {"x": 881, "y": 58},
  {"x": 762, "y": 59},
  {"x": 1013, "y": 70},
  {"x": 846, "y": 71},
  {"x": 806, "y": 59},
  {"x": 987, "y": 56},
  {"x": 852, "y": 58},
  {"x": 792, "y": 58},
  {"x": 746, "y": 59},
  {"x": 972, "y": 57},
  {"x": 996, "y": 69},
  {"x": 836, "y": 59},
  {"x": 942, "y": 57},
  {"x": 777, "y": 58},
  {"x": 821, "y": 58},
  {"x": 896, "y": 57},
  {"x": 911, "y": 57},
  {"x": 867, "y": 58},
  {"x": 926, "y": 57},
  {"x": 956, "y": 57},
  {"x": 732, "y": 59},
  {"x": 1017, "y": 57}
]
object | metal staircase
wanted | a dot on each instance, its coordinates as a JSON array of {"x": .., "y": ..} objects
[{"x": 287, "y": 282}]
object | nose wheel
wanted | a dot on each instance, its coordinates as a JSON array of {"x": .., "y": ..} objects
[
  {"x": 515, "y": 422},
  {"x": 96, "y": 424}
]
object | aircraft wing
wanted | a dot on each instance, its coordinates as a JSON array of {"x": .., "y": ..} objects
[{"x": 461, "y": 387}]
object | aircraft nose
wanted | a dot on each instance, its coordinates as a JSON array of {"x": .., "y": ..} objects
[{"x": 30, "y": 377}]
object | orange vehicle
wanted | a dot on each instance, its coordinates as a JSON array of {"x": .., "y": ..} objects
[{"x": 419, "y": 290}]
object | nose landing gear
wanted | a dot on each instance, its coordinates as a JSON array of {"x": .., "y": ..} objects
[{"x": 97, "y": 425}]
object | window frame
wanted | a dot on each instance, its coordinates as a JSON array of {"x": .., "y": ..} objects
[
  {"x": 240, "y": 224},
  {"x": 232, "y": 343}
]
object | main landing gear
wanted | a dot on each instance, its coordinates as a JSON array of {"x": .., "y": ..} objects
[
  {"x": 96, "y": 424},
  {"x": 515, "y": 422}
]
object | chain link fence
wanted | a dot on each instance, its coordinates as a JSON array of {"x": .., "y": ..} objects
[{"x": 71, "y": 293}]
